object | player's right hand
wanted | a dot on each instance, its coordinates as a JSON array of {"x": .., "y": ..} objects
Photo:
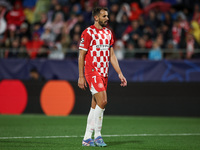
[
  {"x": 123, "y": 80},
  {"x": 82, "y": 83}
]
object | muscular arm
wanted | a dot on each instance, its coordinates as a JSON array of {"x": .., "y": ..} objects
[
  {"x": 81, "y": 80},
  {"x": 115, "y": 65}
]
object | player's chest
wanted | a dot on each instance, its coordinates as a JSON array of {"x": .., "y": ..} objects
[{"x": 101, "y": 35}]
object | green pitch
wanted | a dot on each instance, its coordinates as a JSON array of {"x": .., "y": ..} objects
[{"x": 39, "y": 132}]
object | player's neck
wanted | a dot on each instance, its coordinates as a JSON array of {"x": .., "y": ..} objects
[{"x": 97, "y": 25}]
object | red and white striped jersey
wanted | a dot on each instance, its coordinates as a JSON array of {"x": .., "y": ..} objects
[{"x": 97, "y": 43}]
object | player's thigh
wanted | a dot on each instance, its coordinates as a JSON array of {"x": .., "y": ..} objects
[{"x": 101, "y": 98}]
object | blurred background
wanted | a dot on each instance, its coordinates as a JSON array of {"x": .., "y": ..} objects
[{"x": 157, "y": 44}]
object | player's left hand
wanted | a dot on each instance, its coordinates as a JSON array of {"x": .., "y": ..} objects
[{"x": 123, "y": 80}]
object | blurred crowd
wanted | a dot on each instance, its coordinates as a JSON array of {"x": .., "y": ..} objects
[{"x": 143, "y": 29}]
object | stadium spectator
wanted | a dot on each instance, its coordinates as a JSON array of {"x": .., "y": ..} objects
[
  {"x": 34, "y": 45},
  {"x": 65, "y": 40},
  {"x": 87, "y": 14},
  {"x": 76, "y": 39},
  {"x": 186, "y": 11},
  {"x": 40, "y": 8},
  {"x": 141, "y": 22},
  {"x": 69, "y": 24},
  {"x": 152, "y": 21},
  {"x": 136, "y": 11},
  {"x": 76, "y": 9},
  {"x": 176, "y": 33},
  {"x": 112, "y": 22},
  {"x": 53, "y": 3},
  {"x": 24, "y": 41},
  {"x": 47, "y": 36},
  {"x": 171, "y": 52},
  {"x": 11, "y": 34},
  {"x": 3, "y": 23},
  {"x": 159, "y": 40},
  {"x": 191, "y": 44},
  {"x": 22, "y": 49},
  {"x": 165, "y": 30},
  {"x": 57, "y": 9},
  {"x": 16, "y": 15},
  {"x": 81, "y": 22},
  {"x": 184, "y": 24},
  {"x": 129, "y": 54},
  {"x": 35, "y": 75},
  {"x": 167, "y": 20},
  {"x": 65, "y": 10},
  {"x": 121, "y": 27},
  {"x": 132, "y": 30},
  {"x": 125, "y": 9},
  {"x": 24, "y": 30},
  {"x": 119, "y": 49},
  {"x": 196, "y": 14},
  {"x": 43, "y": 52},
  {"x": 56, "y": 52},
  {"x": 57, "y": 24},
  {"x": 37, "y": 29},
  {"x": 195, "y": 27},
  {"x": 43, "y": 19},
  {"x": 14, "y": 51},
  {"x": 148, "y": 40},
  {"x": 155, "y": 53},
  {"x": 75, "y": 31},
  {"x": 141, "y": 46},
  {"x": 114, "y": 9},
  {"x": 173, "y": 13},
  {"x": 73, "y": 52}
]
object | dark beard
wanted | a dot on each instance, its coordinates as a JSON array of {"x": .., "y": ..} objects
[{"x": 102, "y": 24}]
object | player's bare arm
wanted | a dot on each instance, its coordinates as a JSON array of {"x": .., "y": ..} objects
[
  {"x": 81, "y": 80},
  {"x": 115, "y": 64}
]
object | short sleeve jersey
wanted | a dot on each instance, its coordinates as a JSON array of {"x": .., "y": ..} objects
[{"x": 97, "y": 43}]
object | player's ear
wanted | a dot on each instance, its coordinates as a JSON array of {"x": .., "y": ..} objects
[{"x": 96, "y": 18}]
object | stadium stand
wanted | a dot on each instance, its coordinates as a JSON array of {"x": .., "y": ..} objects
[{"x": 52, "y": 29}]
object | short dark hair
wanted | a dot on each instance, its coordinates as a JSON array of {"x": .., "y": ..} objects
[{"x": 96, "y": 10}]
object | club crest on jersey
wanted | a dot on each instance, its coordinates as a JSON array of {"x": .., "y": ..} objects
[
  {"x": 107, "y": 37},
  {"x": 100, "y": 85},
  {"x": 82, "y": 40}
]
